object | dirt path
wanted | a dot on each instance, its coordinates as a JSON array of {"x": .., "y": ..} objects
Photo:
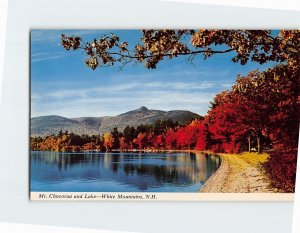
[{"x": 239, "y": 174}]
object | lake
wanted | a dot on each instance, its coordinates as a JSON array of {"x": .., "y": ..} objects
[{"x": 120, "y": 172}]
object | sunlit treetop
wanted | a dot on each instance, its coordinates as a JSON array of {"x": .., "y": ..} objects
[{"x": 259, "y": 46}]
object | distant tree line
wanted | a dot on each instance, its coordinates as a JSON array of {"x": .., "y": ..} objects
[{"x": 142, "y": 137}]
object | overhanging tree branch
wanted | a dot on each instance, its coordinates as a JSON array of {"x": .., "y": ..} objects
[{"x": 155, "y": 45}]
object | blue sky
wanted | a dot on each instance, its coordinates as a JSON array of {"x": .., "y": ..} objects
[{"x": 61, "y": 83}]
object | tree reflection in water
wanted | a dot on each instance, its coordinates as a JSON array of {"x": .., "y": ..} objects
[{"x": 184, "y": 172}]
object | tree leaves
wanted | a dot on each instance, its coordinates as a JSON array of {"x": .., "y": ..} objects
[
  {"x": 154, "y": 46},
  {"x": 70, "y": 42}
]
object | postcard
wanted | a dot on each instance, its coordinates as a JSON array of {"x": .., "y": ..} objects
[{"x": 164, "y": 115}]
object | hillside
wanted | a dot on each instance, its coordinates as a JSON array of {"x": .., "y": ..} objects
[{"x": 46, "y": 125}]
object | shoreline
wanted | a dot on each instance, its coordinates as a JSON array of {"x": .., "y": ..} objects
[
  {"x": 239, "y": 174},
  {"x": 211, "y": 182},
  {"x": 132, "y": 151}
]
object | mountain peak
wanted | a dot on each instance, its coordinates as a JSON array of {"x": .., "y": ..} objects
[{"x": 142, "y": 108}]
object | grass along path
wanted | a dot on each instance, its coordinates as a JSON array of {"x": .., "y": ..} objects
[{"x": 240, "y": 174}]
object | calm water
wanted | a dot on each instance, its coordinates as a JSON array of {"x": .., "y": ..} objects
[{"x": 120, "y": 172}]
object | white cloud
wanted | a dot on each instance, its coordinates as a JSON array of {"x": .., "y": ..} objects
[
  {"x": 114, "y": 104},
  {"x": 125, "y": 89},
  {"x": 227, "y": 85},
  {"x": 36, "y": 57},
  {"x": 156, "y": 90}
]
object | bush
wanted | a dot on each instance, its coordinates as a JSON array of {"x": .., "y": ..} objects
[{"x": 281, "y": 169}]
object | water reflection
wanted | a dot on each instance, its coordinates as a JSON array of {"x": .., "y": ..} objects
[{"x": 121, "y": 172}]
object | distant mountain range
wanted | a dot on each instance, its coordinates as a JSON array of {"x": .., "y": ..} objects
[{"x": 46, "y": 125}]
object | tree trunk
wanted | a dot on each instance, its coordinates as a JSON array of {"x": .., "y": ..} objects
[
  {"x": 249, "y": 143},
  {"x": 258, "y": 144}
]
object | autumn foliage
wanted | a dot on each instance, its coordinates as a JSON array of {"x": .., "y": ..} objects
[
  {"x": 281, "y": 168},
  {"x": 156, "y": 45}
]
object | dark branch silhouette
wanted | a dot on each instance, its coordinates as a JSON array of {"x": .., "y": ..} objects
[{"x": 155, "y": 45}]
